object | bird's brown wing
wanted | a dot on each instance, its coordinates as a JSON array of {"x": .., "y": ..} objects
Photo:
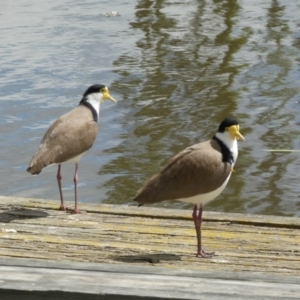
[
  {"x": 69, "y": 136},
  {"x": 196, "y": 170}
]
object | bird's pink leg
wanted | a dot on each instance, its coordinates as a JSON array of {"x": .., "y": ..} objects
[
  {"x": 197, "y": 217},
  {"x": 75, "y": 210},
  {"x": 58, "y": 176}
]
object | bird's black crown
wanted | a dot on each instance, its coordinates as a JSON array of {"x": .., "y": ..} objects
[
  {"x": 227, "y": 123},
  {"x": 95, "y": 88}
]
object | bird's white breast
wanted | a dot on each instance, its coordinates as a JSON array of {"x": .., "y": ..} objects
[
  {"x": 231, "y": 144},
  {"x": 95, "y": 101},
  {"x": 234, "y": 150}
]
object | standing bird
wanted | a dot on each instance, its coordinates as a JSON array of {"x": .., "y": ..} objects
[
  {"x": 196, "y": 175},
  {"x": 70, "y": 136}
]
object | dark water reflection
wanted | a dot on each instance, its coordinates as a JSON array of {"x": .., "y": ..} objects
[
  {"x": 177, "y": 69},
  {"x": 194, "y": 78}
]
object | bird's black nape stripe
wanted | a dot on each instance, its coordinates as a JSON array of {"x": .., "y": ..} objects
[
  {"x": 226, "y": 153},
  {"x": 90, "y": 106}
]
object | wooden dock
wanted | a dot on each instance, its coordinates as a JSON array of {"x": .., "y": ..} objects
[{"x": 125, "y": 252}]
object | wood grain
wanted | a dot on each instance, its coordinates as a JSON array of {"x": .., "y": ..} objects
[{"x": 130, "y": 238}]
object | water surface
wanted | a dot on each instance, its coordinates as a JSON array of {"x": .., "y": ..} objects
[{"x": 177, "y": 69}]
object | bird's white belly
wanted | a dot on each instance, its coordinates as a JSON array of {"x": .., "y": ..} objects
[
  {"x": 73, "y": 160},
  {"x": 204, "y": 198},
  {"x": 76, "y": 159}
]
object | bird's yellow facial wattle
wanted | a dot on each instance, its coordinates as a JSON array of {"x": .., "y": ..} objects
[
  {"x": 234, "y": 132},
  {"x": 106, "y": 95}
]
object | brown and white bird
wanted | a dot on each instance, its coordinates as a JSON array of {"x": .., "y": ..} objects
[
  {"x": 196, "y": 175},
  {"x": 70, "y": 136}
]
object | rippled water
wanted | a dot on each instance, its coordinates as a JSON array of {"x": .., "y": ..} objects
[{"x": 176, "y": 68}]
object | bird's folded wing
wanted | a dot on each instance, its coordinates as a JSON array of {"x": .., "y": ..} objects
[
  {"x": 69, "y": 136},
  {"x": 196, "y": 170}
]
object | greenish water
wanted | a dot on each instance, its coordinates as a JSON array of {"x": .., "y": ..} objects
[{"x": 176, "y": 68}]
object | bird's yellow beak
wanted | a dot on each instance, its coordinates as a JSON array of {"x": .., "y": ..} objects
[
  {"x": 234, "y": 132},
  {"x": 106, "y": 95}
]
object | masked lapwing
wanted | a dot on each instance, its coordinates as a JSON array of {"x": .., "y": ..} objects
[
  {"x": 70, "y": 136},
  {"x": 196, "y": 175}
]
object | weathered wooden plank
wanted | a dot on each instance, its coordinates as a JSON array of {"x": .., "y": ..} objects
[
  {"x": 105, "y": 281},
  {"x": 146, "y": 211},
  {"x": 30, "y": 229},
  {"x": 143, "y": 253}
]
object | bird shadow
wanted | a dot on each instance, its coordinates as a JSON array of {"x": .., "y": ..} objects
[
  {"x": 15, "y": 213},
  {"x": 147, "y": 258}
]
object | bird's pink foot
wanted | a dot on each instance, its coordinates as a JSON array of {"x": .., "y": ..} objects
[
  {"x": 62, "y": 207},
  {"x": 73, "y": 210},
  {"x": 203, "y": 254}
]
